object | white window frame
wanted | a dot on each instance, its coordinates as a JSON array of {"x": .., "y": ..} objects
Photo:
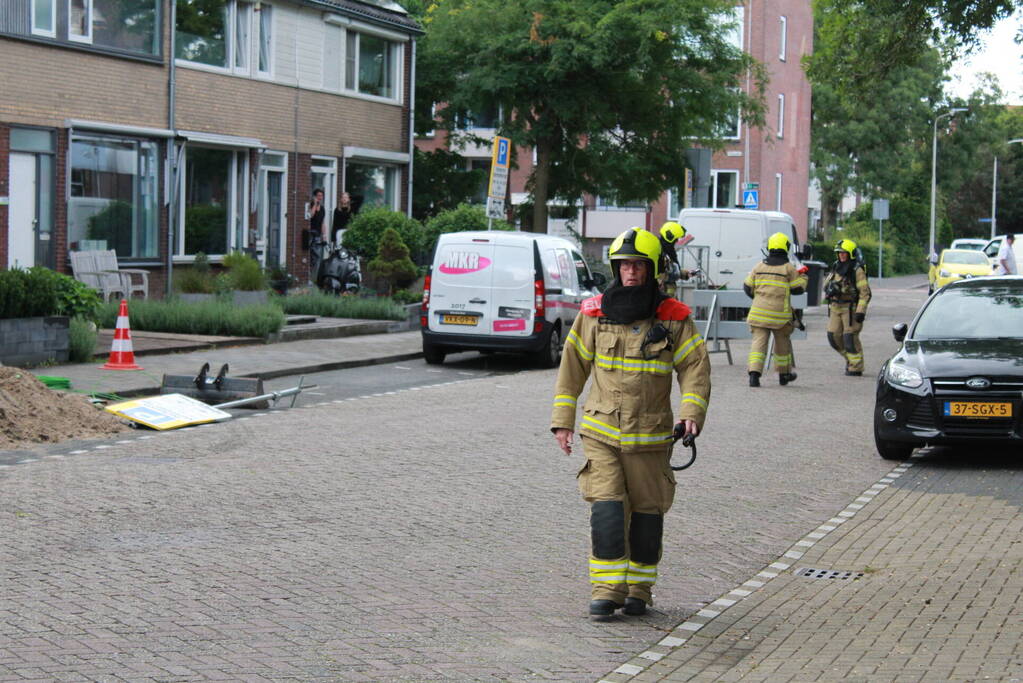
[
  {"x": 235, "y": 14},
  {"x": 266, "y": 164},
  {"x": 734, "y": 200},
  {"x": 258, "y": 42},
  {"x": 777, "y": 191},
  {"x": 783, "y": 25},
  {"x": 36, "y": 31},
  {"x": 781, "y": 115},
  {"x": 87, "y": 38},
  {"x": 395, "y": 45},
  {"x": 232, "y": 203}
]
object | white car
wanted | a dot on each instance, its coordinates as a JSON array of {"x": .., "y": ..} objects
[{"x": 969, "y": 243}]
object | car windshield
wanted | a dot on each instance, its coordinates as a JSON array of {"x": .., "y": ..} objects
[
  {"x": 972, "y": 313},
  {"x": 967, "y": 258},
  {"x": 975, "y": 246}
]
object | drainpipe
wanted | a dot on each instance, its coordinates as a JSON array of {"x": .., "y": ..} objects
[
  {"x": 411, "y": 126},
  {"x": 172, "y": 148}
]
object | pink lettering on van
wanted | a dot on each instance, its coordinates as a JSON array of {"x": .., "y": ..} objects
[
  {"x": 509, "y": 325},
  {"x": 462, "y": 262}
]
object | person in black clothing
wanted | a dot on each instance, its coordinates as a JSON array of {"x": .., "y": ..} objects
[
  {"x": 342, "y": 214},
  {"x": 317, "y": 213}
]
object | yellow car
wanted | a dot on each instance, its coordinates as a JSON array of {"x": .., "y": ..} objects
[{"x": 957, "y": 264}]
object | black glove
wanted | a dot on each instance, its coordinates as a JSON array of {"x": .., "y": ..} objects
[{"x": 860, "y": 317}]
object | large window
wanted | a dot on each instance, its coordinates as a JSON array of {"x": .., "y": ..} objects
[
  {"x": 218, "y": 34},
  {"x": 113, "y": 201},
  {"x": 726, "y": 189},
  {"x": 44, "y": 17},
  {"x": 214, "y": 200},
  {"x": 371, "y": 185},
  {"x": 371, "y": 65}
]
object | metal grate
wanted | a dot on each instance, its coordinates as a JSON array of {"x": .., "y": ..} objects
[
  {"x": 922, "y": 417},
  {"x": 811, "y": 573}
]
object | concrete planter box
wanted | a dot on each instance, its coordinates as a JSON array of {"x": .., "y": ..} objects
[
  {"x": 250, "y": 298},
  {"x": 30, "y": 341},
  {"x": 196, "y": 298}
]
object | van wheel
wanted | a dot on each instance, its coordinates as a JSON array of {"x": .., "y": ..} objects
[
  {"x": 550, "y": 355},
  {"x": 433, "y": 355}
]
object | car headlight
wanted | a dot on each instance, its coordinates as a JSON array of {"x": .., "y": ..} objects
[
  {"x": 902, "y": 376},
  {"x": 944, "y": 273}
]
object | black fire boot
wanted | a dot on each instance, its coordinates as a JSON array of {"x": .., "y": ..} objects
[
  {"x": 854, "y": 373},
  {"x": 754, "y": 379},
  {"x": 635, "y": 607},
  {"x": 603, "y": 608},
  {"x": 786, "y": 377}
]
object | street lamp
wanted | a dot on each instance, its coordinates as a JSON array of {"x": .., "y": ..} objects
[
  {"x": 994, "y": 191},
  {"x": 934, "y": 167}
]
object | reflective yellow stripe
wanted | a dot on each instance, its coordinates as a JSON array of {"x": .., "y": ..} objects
[
  {"x": 642, "y": 573},
  {"x": 636, "y": 364},
  {"x": 695, "y": 398},
  {"x": 773, "y": 283},
  {"x": 615, "y": 433},
  {"x": 687, "y": 348},
  {"x": 565, "y": 400},
  {"x": 799, "y": 282},
  {"x": 602, "y": 571},
  {"x": 580, "y": 348}
]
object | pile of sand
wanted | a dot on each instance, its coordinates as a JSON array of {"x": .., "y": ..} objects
[{"x": 30, "y": 412}]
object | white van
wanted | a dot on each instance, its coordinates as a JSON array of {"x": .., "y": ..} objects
[
  {"x": 736, "y": 239},
  {"x": 991, "y": 251},
  {"x": 503, "y": 291}
]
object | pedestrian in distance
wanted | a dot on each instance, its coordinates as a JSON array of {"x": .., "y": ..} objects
[
  {"x": 630, "y": 339},
  {"x": 1006, "y": 260},
  {"x": 847, "y": 292},
  {"x": 771, "y": 284},
  {"x": 343, "y": 213}
]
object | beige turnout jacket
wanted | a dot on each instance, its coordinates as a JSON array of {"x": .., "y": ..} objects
[
  {"x": 629, "y": 403},
  {"x": 772, "y": 294}
]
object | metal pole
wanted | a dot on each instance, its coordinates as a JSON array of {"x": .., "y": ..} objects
[
  {"x": 880, "y": 249},
  {"x": 934, "y": 168},
  {"x": 994, "y": 200},
  {"x": 274, "y": 395}
]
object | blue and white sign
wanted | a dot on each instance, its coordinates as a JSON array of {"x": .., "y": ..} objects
[
  {"x": 751, "y": 199},
  {"x": 499, "y": 162}
]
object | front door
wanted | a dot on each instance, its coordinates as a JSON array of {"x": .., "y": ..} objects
[
  {"x": 274, "y": 206},
  {"x": 23, "y": 219}
]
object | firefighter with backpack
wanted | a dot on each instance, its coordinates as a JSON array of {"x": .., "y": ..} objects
[{"x": 847, "y": 292}]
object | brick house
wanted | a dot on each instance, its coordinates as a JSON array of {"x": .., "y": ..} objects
[
  {"x": 777, "y": 157},
  {"x": 106, "y": 142}
]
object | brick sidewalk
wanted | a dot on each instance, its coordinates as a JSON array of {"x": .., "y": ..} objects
[{"x": 928, "y": 573}]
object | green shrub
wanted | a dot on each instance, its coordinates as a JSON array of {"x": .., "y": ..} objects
[
  {"x": 367, "y": 228},
  {"x": 27, "y": 294},
  {"x": 462, "y": 219},
  {"x": 406, "y": 296},
  {"x": 82, "y": 336},
  {"x": 392, "y": 262},
  {"x": 74, "y": 298},
  {"x": 244, "y": 272},
  {"x": 206, "y": 317},
  {"x": 329, "y": 306}
]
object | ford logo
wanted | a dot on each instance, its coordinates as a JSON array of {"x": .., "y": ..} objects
[{"x": 978, "y": 383}]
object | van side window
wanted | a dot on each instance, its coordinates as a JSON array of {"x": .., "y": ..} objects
[
  {"x": 581, "y": 271},
  {"x": 565, "y": 265},
  {"x": 992, "y": 249}
]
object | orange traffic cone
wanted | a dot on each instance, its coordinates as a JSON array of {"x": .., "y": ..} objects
[{"x": 121, "y": 355}]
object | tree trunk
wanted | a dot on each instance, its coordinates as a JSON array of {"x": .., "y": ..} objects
[
  {"x": 541, "y": 182},
  {"x": 829, "y": 216}
]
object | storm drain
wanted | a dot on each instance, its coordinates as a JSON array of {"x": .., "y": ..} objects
[{"x": 811, "y": 573}]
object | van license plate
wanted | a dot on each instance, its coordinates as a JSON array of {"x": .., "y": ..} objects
[
  {"x": 981, "y": 410},
  {"x": 446, "y": 319}
]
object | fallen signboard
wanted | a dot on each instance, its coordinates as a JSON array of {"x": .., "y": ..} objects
[{"x": 168, "y": 411}]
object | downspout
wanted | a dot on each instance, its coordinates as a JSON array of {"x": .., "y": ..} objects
[
  {"x": 411, "y": 127},
  {"x": 172, "y": 148}
]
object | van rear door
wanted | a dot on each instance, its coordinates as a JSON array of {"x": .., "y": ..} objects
[
  {"x": 460, "y": 291},
  {"x": 513, "y": 290},
  {"x": 742, "y": 238}
]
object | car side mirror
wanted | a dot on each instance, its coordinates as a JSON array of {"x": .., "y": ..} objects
[
  {"x": 596, "y": 280},
  {"x": 899, "y": 331}
]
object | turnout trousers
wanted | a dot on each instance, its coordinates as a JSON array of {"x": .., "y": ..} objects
[
  {"x": 628, "y": 495},
  {"x": 782, "y": 348},
  {"x": 844, "y": 336}
]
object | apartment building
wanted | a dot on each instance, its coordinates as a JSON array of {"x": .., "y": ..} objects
[
  {"x": 163, "y": 130},
  {"x": 776, "y": 157}
]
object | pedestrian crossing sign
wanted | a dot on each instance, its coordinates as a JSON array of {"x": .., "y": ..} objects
[{"x": 751, "y": 199}]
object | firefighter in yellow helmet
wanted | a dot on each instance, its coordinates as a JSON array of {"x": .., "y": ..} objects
[
  {"x": 771, "y": 284},
  {"x": 670, "y": 233},
  {"x": 631, "y": 339},
  {"x": 848, "y": 293}
]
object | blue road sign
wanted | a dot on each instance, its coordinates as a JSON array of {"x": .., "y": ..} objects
[
  {"x": 751, "y": 198},
  {"x": 502, "y": 148}
]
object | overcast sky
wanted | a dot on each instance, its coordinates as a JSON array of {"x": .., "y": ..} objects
[{"x": 998, "y": 55}]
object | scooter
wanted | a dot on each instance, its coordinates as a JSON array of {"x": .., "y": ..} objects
[{"x": 336, "y": 269}]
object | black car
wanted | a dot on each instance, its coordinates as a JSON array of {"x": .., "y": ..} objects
[{"x": 958, "y": 379}]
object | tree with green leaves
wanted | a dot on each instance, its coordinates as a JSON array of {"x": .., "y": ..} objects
[
  {"x": 861, "y": 41},
  {"x": 392, "y": 263},
  {"x": 442, "y": 182},
  {"x": 609, "y": 93}
]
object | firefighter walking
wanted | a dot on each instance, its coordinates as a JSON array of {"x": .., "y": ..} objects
[
  {"x": 848, "y": 293},
  {"x": 771, "y": 284},
  {"x": 631, "y": 339}
]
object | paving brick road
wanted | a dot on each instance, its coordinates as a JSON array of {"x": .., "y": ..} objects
[{"x": 433, "y": 534}]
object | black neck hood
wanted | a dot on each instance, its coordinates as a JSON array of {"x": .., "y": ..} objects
[{"x": 625, "y": 305}]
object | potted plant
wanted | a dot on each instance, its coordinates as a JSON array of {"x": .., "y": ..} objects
[
  {"x": 245, "y": 278},
  {"x": 33, "y": 324},
  {"x": 280, "y": 279},
  {"x": 197, "y": 283}
]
